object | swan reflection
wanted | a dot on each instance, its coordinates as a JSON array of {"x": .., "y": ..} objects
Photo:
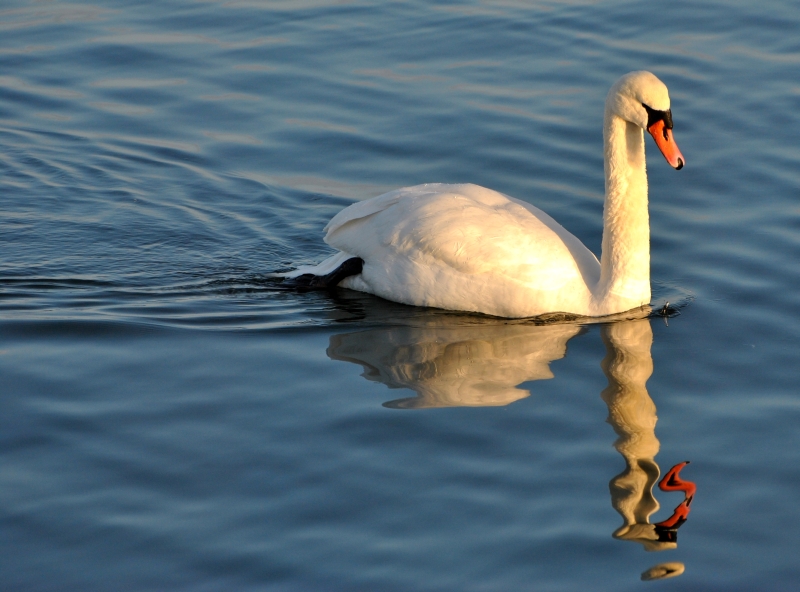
[{"x": 450, "y": 364}]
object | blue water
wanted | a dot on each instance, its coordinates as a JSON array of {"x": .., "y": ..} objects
[{"x": 171, "y": 418}]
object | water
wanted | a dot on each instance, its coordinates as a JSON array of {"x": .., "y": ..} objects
[{"x": 171, "y": 419}]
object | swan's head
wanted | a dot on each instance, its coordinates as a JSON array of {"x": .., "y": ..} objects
[{"x": 642, "y": 99}]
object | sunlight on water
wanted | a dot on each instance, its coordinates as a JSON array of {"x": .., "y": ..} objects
[{"x": 173, "y": 417}]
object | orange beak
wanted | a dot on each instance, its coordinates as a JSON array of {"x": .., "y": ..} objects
[{"x": 666, "y": 143}]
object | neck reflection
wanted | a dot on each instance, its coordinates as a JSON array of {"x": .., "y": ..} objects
[{"x": 631, "y": 412}]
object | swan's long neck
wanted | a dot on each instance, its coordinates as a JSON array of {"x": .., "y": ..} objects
[{"x": 625, "y": 260}]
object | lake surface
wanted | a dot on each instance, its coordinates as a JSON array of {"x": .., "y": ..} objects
[{"x": 170, "y": 418}]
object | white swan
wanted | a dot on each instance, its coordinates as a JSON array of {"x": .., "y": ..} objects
[{"x": 464, "y": 247}]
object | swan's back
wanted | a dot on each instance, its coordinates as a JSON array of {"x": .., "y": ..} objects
[{"x": 464, "y": 247}]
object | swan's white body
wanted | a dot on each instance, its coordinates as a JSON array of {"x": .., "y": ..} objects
[{"x": 464, "y": 247}]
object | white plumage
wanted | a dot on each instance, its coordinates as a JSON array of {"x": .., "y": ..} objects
[{"x": 465, "y": 247}]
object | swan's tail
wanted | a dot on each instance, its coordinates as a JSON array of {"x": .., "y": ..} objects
[{"x": 326, "y": 274}]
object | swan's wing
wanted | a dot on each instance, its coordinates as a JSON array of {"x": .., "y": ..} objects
[
  {"x": 466, "y": 229},
  {"x": 366, "y": 208}
]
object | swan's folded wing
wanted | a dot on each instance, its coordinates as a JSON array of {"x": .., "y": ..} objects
[
  {"x": 468, "y": 229},
  {"x": 366, "y": 208},
  {"x": 477, "y": 239}
]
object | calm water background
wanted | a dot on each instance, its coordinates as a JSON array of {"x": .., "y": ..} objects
[{"x": 171, "y": 419}]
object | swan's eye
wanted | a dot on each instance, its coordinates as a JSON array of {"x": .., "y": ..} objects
[{"x": 654, "y": 116}]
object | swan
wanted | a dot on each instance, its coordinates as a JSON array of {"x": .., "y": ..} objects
[{"x": 468, "y": 248}]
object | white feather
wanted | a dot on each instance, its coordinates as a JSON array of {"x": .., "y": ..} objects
[{"x": 464, "y": 247}]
